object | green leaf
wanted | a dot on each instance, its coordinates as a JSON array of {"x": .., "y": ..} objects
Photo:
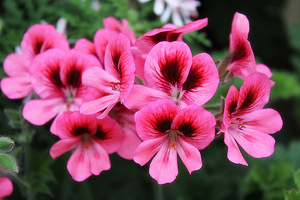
[
  {"x": 297, "y": 178},
  {"x": 8, "y": 163},
  {"x": 6, "y": 144}
]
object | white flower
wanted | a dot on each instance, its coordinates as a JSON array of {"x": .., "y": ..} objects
[{"x": 181, "y": 10}]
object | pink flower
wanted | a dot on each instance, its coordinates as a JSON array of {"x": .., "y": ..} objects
[
  {"x": 56, "y": 78},
  {"x": 92, "y": 140},
  {"x": 37, "y": 39},
  {"x": 115, "y": 80},
  {"x": 246, "y": 122},
  {"x": 6, "y": 187},
  {"x": 167, "y": 131},
  {"x": 125, "y": 119},
  {"x": 172, "y": 73},
  {"x": 169, "y": 33}
]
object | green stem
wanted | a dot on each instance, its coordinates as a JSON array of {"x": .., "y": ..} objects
[{"x": 158, "y": 192}]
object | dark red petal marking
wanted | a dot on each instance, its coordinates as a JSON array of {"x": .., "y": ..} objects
[
  {"x": 173, "y": 37},
  {"x": 37, "y": 45},
  {"x": 53, "y": 74},
  {"x": 101, "y": 133},
  {"x": 195, "y": 79},
  {"x": 187, "y": 129},
  {"x": 162, "y": 124},
  {"x": 162, "y": 36},
  {"x": 251, "y": 97},
  {"x": 79, "y": 130},
  {"x": 241, "y": 51},
  {"x": 73, "y": 76}
]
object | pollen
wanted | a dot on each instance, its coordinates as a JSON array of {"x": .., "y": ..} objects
[
  {"x": 173, "y": 137},
  {"x": 86, "y": 146}
]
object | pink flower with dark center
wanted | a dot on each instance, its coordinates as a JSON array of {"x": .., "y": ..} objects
[
  {"x": 91, "y": 139},
  {"x": 174, "y": 74},
  {"x": 246, "y": 123},
  {"x": 115, "y": 80},
  {"x": 56, "y": 78},
  {"x": 37, "y": 39},
  {"x": 6, "y": 187},
  {"x": 167, "y": 131}
]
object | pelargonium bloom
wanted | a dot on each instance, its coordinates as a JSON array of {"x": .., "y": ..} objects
[
  {"x": 37, "y": 39},
  {"x": 246, "y": 123},
  {"x": 115, "y": 80},
  {"x": 56, "y": 78},
  {"x": 167, "y": 131},
  {"x": 172, "y": 73},
  {"x": 92, "y": 140},
  {"x": 6, "y": 187}
]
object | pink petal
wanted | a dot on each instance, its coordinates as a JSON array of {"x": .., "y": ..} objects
[
  {"x": 6, "y": 187},
  {"x": 233, "y": 154},
  {"x": 241, "y": 23},
  {"x": 86, "y": 46},
  {"x": 101, "y": 39},
  {"x": 243, "y": 61},
  {"x": 147, "y": 149},
  {"x": 16, "y": 65},
  {"x": 264, "y": 120},
  {"x": 154, "y": 119},
  {"x": 163, "y": 167},
  {"x": 196, "y": 125},
  {"x": 79, "y": 164},
  {"x": 167, "y": 64},
  {"x": 202, "y": 81},
  {"x": 98, "y": 158},
  {"x": 231, "y": 102},
  {"x": 254, "y": 93},
  {"x": 73, "y": 66},
  {"x": 45, "y": 74},
  {"x": 108, "y": 134},
  {"x": 62, "y": 146},
  {"x": 39, "y": 112},
  {"x": 141, "y": 95},
  {"x": 119, "y": 63},
  {"x": 100, "y": 79},
  {"x": 257, "y": 144},
  {"x": 130, "y": 143},
  {"x": 265, "y": 70},
  {"x": 16, "y": 87},
  {"x": 189, "y": 155}
]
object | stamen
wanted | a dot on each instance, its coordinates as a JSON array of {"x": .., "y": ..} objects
[
  {"x": 114, "y": 86},
  {"x": 86, "y": 140},
  {"x": 173, "y": 137}
]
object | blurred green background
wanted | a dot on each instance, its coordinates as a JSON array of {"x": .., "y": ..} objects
[{"x": 275, "y": 39}]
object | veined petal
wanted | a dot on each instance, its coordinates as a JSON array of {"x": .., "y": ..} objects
[
  {"x": 98, "y": 158},
  {"x": 257, "y": 144},
  {"x": 101, "y": 39},
  {"x": 196, "y": 126},
  {"x": 62, "y": 146},
  {"x": 189, "y": 155},
  {"x": 40, "y": 111},
  {"x": 16, "y": 65},
  {"x": 254, "y": 93},
  {"x": 147, "y": 149},
  {"x": 119, "y": 63},
  {"x": 202, "y": 81},
  {"x": 233, "y": 154},
  {"x": 45, "y": 74},
  {"x": 168, "y": 64},
  {"x": 243, "y": 62},
  {"x": 141, "y": 95},
  {"x": 263, "y": 120},
  {"x": 86, "y": 46},
  {"x": 241, "y": 23},
  {"x": 79, "y": 164},
  {"x": 108, "y": 134},
  {"x": 231, "y": 102},
  {"x": 74, "y": 64},
  {"x": 155, "y": 119},
  {"x": 163, "y": 167},
  {"x": 16, "y": 87}
]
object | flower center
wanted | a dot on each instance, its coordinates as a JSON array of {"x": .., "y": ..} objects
[
  {"x": 176, "y": 94},
  {"x": 173, "y": 137},
  {"x": 86, "y": 140},
  {"x": 70, "y": 94},
  {"x": 114, "y": 86},
  {"x": 241, "y": 124}
]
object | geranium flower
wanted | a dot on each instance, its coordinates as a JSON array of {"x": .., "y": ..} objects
[
  {"x": 173, "y": 73},
  {"x": 6, "y": 187},
  {"x": 246, "y": 123},
  {"x": 92, "y": 140},
  {"x": 56, "y": 78},
  {"x": 37, "y": 39},
  {"x": 115, "y": 80},
  {"x": 167, "y": 131}
]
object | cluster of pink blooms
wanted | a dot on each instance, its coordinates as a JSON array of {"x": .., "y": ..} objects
[{"x": 141, "y": 97}]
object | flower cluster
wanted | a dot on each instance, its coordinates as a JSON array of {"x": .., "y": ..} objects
[{"x": 141, "y": 97}]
